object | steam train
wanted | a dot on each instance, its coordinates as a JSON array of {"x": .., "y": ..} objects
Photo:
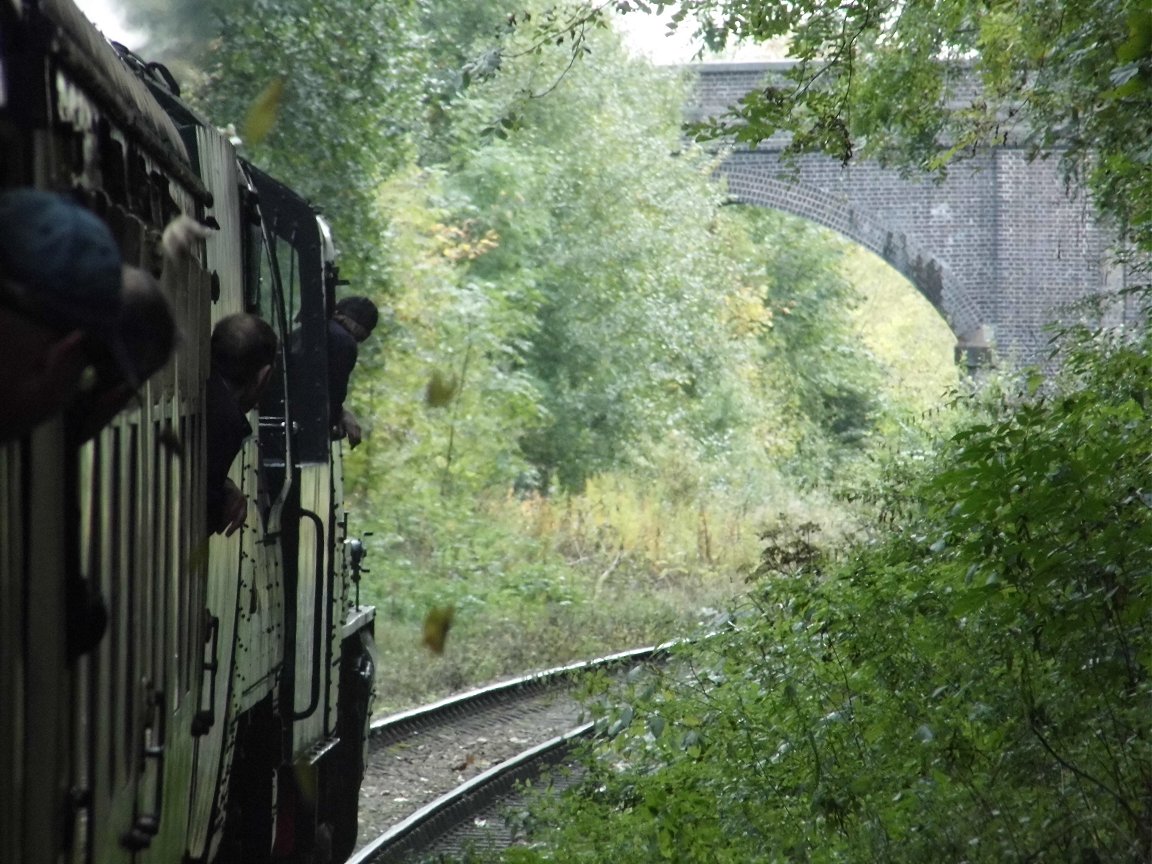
[{"x": 168, "y": 695}]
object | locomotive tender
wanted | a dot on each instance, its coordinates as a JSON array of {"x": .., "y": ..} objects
[{"x": 219, "y": 715}]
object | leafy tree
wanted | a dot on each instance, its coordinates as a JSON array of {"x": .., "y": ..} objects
[
  {"x": 599, "y": 233},
  {"x": 448, "y": 402},
  {"x": 813, "y": 364},
  {"x": 632, "y": 267},
  {"x": 921, "y": 85},
  {"x": 352, "y": 79}
]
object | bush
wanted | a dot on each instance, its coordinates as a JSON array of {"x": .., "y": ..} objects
[{"x": 972, "y": 687}]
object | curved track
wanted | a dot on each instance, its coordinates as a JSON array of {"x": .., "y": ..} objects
[{"x": 438, "y": 775}]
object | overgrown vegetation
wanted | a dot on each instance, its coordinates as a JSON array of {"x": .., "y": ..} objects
[
  {"x": 972, "y": 685},
  {"x": 657, "y": 374}
]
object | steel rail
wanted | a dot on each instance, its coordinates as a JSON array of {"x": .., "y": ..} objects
[
  {"x": 428, "y": 824},
  {"x": 401, "y": 725},
  {"x": 432, "y": 822}
]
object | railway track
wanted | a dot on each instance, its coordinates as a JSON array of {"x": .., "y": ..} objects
[{"x": 439, "y": 776}]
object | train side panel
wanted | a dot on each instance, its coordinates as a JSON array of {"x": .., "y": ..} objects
[
  {"x": 175, "y": 697},
  {"x": 215, "y": 727},
  {"x": 34, "y": 722},
  {"x": 97, "y": 528}
]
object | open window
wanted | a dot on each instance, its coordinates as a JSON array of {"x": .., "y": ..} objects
[{"x": 296, "y": 264}]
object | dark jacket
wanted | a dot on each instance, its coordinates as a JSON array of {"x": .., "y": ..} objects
[
  {"x": 227, "y": 429},
  {"x": 342, "y": 353}
]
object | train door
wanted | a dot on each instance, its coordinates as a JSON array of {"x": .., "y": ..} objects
[
  {"x": 307, "y": 523},
  {"x": 249, "y": 565},
  {"x": 310, "y": 527}
]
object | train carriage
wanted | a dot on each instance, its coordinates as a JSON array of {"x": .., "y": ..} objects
[{"x": 174, "y": 696}]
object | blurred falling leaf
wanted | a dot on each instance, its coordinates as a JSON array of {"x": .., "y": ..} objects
[
  {"x": 262, "y": 112},
  {"x": 306, "y": 781},
  {"x": 437, "y": 623},
  {"x": 439, "y": 390},
  {"x": 198, "y": 556}
]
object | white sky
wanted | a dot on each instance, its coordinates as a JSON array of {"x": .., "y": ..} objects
[
  {"x": 647, "y": 35},
  {"x": 106, "y": 16}
]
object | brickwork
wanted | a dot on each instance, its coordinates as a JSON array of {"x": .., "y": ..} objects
[{"x": 1000, "y": 247}]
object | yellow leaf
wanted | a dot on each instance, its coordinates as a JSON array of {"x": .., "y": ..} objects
[
  {"x": 262, "y": 113},
  {"x": 198, "y": 556},
  {"x": 306, "y": 781},
  {"x": 439, "y": 390},
  {"x": 437, "y": 623}
]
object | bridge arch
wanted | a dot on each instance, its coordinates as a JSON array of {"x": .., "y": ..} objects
[
  {"x": 755, "y": 181},
  {"x": 1002, "y": 246}
]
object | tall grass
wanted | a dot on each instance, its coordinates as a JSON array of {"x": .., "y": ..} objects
[{"x": 550, "y": 580}]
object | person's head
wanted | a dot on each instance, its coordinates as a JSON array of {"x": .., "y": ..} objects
[
  {"x": 60, "y": 296},
  {"x": 357, "y": 315},
  {"x": 149, "y": 333},
  {"x": 243, "y": 353}
]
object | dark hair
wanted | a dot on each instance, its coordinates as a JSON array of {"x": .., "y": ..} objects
[
  {"x": 242, "y": 345},
  {"x": 361, "y": 310}
]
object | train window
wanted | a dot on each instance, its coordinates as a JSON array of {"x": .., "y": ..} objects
[
  {"x": 166, "y": 626},
  {"x": 286, "y": 252},
  {"x": 104, "y": 678},
  {"x": 253, "y": 251},
  {"x": 87, "y": 492},
  {"x": 288, "y": 264},
  {"x": 277, "y": 273},
  {"x": 297, "y": 262},
  {"x": 91, "y": 504},
  {"x": 133, "y": 633}
]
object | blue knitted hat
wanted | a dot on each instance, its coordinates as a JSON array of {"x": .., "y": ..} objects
[
  {"x": 62, "y": 257},
  {"x": 60, "y": 264}
]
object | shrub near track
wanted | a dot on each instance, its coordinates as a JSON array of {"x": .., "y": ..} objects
[{"x": 974, "y": 687}]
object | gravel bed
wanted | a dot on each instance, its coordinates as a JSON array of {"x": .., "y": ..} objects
[{"x": 402, "y": 778}]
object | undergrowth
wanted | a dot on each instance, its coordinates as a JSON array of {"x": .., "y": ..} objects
[
  {"x": 534, "y": 582},
  {"x": 971, "y": 685}
]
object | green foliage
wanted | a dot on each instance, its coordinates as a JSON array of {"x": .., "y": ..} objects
[
  {"x": 642, "y": 322},
  {"x": 973, "y": 687},
  {"x": 825, "y": 382},
  {"x": 353, "y": 75},
  {"x": 568, "y": 306},
  {"x": 597, "y": 322},
  {"x": 625, "y": 290},
  {"x": 905, "y": 334},
  {"x": 445, "y": 401},
  {"x": 538, "y": 582}
]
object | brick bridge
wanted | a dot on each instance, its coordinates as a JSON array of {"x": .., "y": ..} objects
[{"x": 998, "y": 247}]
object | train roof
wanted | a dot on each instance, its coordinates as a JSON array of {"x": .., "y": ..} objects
[{"x": 88, "y": 56}]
